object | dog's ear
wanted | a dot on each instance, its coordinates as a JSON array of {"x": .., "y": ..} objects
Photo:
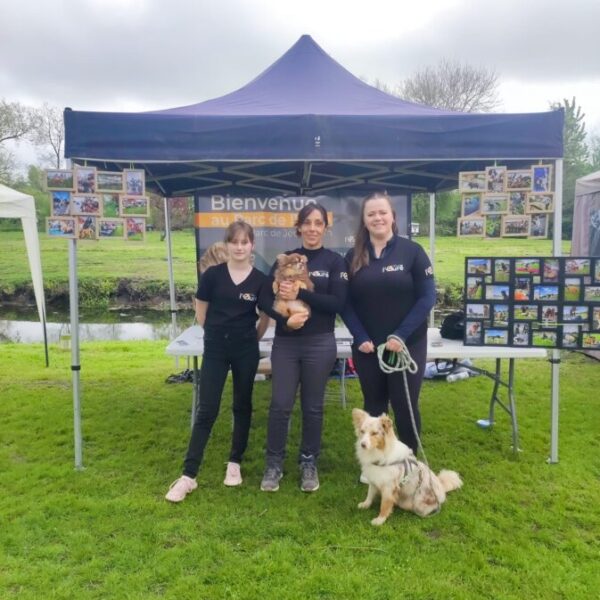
[
  {"x": 386, "y": 423},
  {"x": 281, "y": 258},
  {"x": 358, "y": 416}
]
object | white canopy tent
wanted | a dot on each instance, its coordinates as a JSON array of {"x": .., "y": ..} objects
[{"x": 16, "y": 205}]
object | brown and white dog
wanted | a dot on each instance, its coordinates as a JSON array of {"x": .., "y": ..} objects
[{"x": 392, "y": 470}]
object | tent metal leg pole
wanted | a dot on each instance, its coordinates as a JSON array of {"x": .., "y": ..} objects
[
  {"x": 556, "y": 251},
  {"x": 45, "y": 339},
  {"x": 75, "y": 365},
  {"x": 432, "y": 246},
  {"x": 171, "y": 278}
]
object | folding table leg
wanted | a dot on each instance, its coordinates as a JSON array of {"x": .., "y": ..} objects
[{"x": 513, "y": 405}]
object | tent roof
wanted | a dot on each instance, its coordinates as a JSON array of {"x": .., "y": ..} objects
[{"x": 305, "y": 108}]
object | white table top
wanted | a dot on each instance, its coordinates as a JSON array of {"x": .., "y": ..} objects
[{"x": 191, "y": 343}]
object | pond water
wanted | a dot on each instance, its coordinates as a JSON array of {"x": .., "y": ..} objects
[{"x": 23, "y": 326}]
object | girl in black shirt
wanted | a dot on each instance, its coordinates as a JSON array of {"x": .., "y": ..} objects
[{"x": 226, "y": 303}]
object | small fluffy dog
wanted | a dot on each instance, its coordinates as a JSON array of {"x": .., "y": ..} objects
[
  {"x": 393, "y": 471},
  {"x": 291, "y": 267}
]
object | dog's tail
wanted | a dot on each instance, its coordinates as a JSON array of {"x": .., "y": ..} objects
[{"x": 450, "y": 480}]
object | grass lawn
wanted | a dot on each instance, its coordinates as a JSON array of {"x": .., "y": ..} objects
[
  {"x": 519, "y": 528},
  {"x": 108, "y": 261}
]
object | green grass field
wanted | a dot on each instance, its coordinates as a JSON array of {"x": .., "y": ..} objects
[{"x": 519, "y": 528}]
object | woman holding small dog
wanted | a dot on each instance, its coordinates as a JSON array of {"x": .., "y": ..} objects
[
  {"x": 304, "y": 347},
  {"x": 226, "y": 303},
  {"x": 391, "y": 293}
]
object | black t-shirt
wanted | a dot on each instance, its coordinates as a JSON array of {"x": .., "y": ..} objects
[
  {"x": 231, "y": 306},
  {"x": 328, "y": 271},
  {"x": 383, "y": 292}
]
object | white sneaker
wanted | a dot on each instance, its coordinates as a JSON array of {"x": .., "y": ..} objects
[
  {"x": 233, "y": 475},
  {"x": 180, "y": 488}
]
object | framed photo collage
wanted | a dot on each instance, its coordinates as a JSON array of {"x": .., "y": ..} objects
[
  {"x": 88, "y": 204},
  {"x": 499, "y": 202},
  {"x": 546, "y": 302}
]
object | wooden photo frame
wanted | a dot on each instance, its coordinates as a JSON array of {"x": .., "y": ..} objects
[
  {"x": 472, "y": 181},
  {"x": 111, "y": 206},
  {"x": 59, "y": 180},
  {"x": 539, "y": 226},
  {"x": 109, "y": 181},
  {"x": 516, "y": 225},
  {"x": 134, "y": 206},
  {"x": 134, "y": 182},
  {"x": 61, "y": 227},
  {"x": 517, "y": 203},
  {"x": 495, "y": 179},
  {"x": 518, "y": 180},
  {"x": 85, "y": 180},
  {"x": 493, "y": 226},
  {"x": 470, "y": 226},
  {"x": 87, "y": 227},
  {"x": 541, "y": 178},
  {"x": 86, "y": 204},
  {"x": 471, "y": 204},
  {"x": 494, "y": 204},
  {"x": 135, "y": 229},
  {"x": 109, "y": 228},
  {"x": 538, "y": 202},
  {"x": 60, "y": 203}
]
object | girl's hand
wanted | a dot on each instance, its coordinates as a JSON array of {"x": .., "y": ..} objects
[
  {"x": 367, "y": 347},
  {"x": 297, "y": 320}
]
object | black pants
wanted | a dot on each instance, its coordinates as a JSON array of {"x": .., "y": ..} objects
[
  {"x": 380, "y": 390},
  {"x": 223, "y": 351},
  {"x": 306, "y": 361}
]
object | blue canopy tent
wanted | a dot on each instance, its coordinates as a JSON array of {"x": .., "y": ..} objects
[{"x": 304, "y": 126}]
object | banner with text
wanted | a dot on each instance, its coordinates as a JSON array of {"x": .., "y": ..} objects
[{"x": 273, "y": 218}]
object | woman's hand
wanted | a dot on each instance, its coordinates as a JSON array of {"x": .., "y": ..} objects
[
  {"x": 367, "y": 347},
  {"x": 288, "y": 290},
  {"x": 394, "y": 345},
  {"x": 297, "y": 320}
]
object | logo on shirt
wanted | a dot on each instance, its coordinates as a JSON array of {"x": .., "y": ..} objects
[
  {"x": 318, "y": 274},
  {"x": 392, "y": 268},
  {"x": 248, "y": 297},
  {"x": 429, "y": 271},
  {"x": 344, "y": 275}
]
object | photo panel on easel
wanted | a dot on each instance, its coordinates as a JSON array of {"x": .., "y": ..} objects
[
  {"x": 596, "y": 271},
  {"x": 550, "y": 270},
  {"x": 540, "y": 202},
  {"x": 596, "y": 317},
  {"x": 86, "y": 204},
  {"x": 495, "y": 336},
  {"x": 516, "y": 225},
  {"x": 59, "y": 180},
  {"x": 527, "y": 266},
  {"x": 110, "y": 205},
  {"x": 544, "y": 338},
  {"x": 539, "y": 226},
  {"x": 85, "y": 180},
  {"x": 549, "y": 315},
  {"x": 577, "y": 266},
  {"x": 526, "y": 312},
  {"x": 493, "y": 226},
  {"x": 576, "y": 313},
  {"x": 472, "y": 181},
  {"x": 494, "y": 204},
  {"x": 61, "y": 227},
  {"x": 571, "y": 336},
  {"x": 109, "y": 181},
  {"x": 471, "y": 226},
  {"x": 521, "y": 334},
  {"x": 134, "y": 182},
  {"x": 591, "y": 293},
  {"x": 109, "y": 228},
  {"x": 572, "y": 289},
  {"x": 135, "y": 228},
  {"x": 502, "y": 271},
  {"x": 517, "y": 203},
  {"x": 590, "y": 340},
  {"x": 479, "y": 266},
  {"x": 473, "y": 333},
  {"x": 477, "y": 311},
  {"x": 501, "y": 314},
  {"x": 471, "y": 204},
  {"x": 474, "y": 288}
]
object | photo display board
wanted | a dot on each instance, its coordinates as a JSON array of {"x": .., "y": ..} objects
[
  {"x": 533, "y": 302},
  {"x": 87, "y": 204},
  {"x": 500, "y": 202}
]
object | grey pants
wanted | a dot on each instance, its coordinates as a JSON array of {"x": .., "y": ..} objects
[{"x": 306, "y": 361}]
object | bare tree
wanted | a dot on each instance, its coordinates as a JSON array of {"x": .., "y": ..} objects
[
  {"x": 453, "y": 86},
  {"x": 16, "y": 120},
  {"x": 50, "y": 134}
]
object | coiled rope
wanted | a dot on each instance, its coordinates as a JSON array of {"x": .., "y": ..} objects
[{"x": 401, "y": 362}]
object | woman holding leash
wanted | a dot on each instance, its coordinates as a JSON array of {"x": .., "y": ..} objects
[
  {"x": 391, "y": 293},
  {"x": 304, "y": 350},
  {"x": 226, "y": 303}
]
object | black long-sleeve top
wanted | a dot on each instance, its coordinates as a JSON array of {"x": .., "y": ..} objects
[{"x": 327, "y": 270}]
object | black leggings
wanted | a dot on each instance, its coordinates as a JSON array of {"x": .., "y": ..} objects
[
  {"x": 222, "y": 351},
  {"x": 306, "y": 360},
  {"x": 380, "y": 389}
]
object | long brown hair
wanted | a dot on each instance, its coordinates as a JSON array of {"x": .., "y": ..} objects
[{"x": 360, "y": 257}]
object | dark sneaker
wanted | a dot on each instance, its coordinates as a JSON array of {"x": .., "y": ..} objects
[
  {"x": 309, "y": 477},
  {"x": 271, "y": 478}
]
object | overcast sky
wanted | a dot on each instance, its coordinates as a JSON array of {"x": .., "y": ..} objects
[{"x": 131, "y": 55}]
